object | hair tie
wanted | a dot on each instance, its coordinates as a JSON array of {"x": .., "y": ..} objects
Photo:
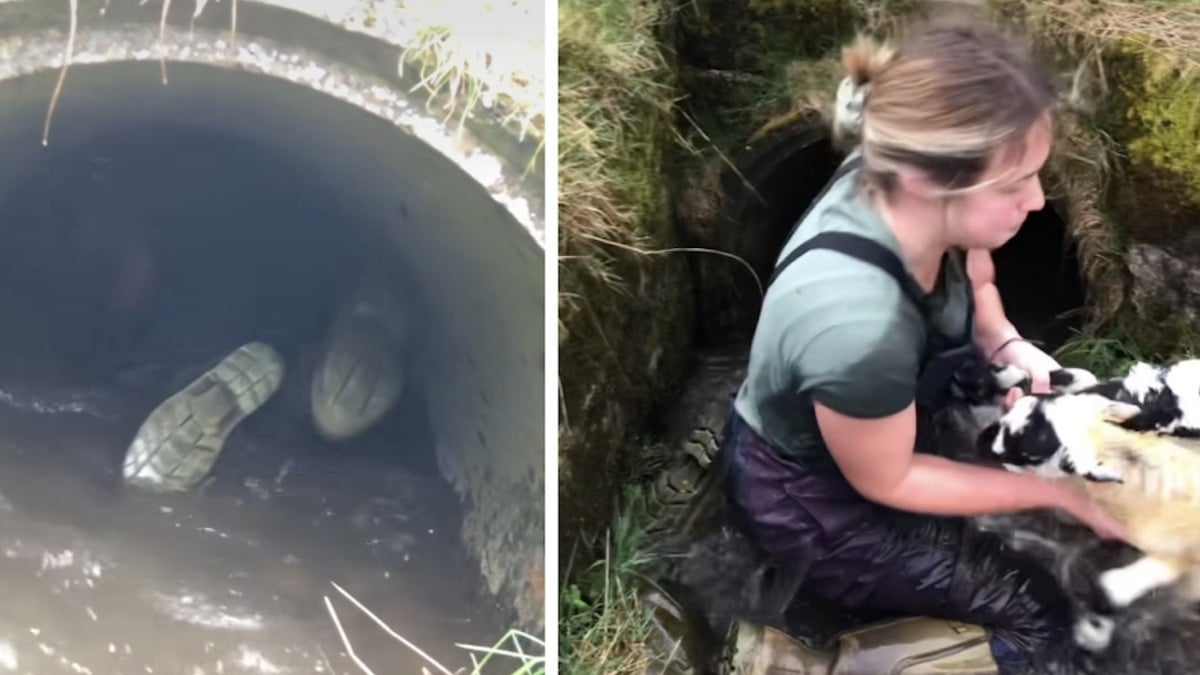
[{"x": 851, "y": 99}]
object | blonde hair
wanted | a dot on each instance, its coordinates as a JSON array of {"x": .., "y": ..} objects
[{"x": 944, "y": 102}]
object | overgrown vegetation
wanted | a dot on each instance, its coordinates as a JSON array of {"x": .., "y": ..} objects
[
  {"x": 622, "y": 302},
  {"x": 746, "y": 63},
  {"x": 467, "y": 53},
  {"x": 616, "y": 96},
  {"x": 1107, "y": 356},
  {"x": 481, "y": 53},
  {"x": 757, "y": 67},
  {"x": 1111, "y": 352},
  {"x": 604, "y": 626},
  {"x": 1078, "y": 176},
  {"x": 1127, "y": 166}
]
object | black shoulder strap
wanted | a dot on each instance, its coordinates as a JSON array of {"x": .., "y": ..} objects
[
  {"x": 853, "y": 245},
  {"x": 864, "y": 249}
]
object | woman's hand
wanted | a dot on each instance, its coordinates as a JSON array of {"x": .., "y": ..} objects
[
  {"x": 1027, "y": 357},
  {"x": 1082, "y": 508},
  {"x": 1011, "y": 397}
]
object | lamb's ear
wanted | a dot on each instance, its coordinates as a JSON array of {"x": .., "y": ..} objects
[{"x": 1117, "y": 412}]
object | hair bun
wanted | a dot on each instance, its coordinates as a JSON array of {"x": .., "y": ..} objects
[{"x": 865, "y": 58}]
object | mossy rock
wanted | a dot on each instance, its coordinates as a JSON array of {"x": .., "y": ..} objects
[
  {"x": 745, "y": 35},
  {"x": 743, "y": 62},
  {"x": 625, "y": 355},
  {"x": 1154, "y": 114}
]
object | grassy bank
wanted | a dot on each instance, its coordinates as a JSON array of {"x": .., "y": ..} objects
[
  {"x": 624, "y": 299},
  {"x": 604, "y": 626}
]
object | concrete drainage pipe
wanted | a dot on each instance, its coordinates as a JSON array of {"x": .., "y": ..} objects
[{"x": 238, "y": 202}]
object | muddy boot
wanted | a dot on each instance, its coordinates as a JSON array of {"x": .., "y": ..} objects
[
  {"x": 908, "y": 646},
  {"x": 689, "y": 484},
  {"x": 179, "y": 442},
  {"x": 361, "y": 374}
]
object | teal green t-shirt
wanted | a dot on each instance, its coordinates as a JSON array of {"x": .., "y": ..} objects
[{"x": 841, "y": 331}]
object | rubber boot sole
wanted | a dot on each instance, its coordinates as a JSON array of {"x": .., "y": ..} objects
[
  {"x": 358, "y": 379},
  {"x": 178, "y": 444}
]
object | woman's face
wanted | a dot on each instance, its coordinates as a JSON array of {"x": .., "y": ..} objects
[{"x": 988, "y": 217}]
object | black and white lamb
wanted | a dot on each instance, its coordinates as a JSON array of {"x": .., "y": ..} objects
[
  {"x": 1168, "y": 396},
  {"x": 975, "y": 399},
  {"x": 1150, "y": 482}
]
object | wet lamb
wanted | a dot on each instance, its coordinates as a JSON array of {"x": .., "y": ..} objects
[
  {"x": 1149, "y": 482},
  {"x": 976, "y": 393},
  {"x": 1169, "y": 397}
]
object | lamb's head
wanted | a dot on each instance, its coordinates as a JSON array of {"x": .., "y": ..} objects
[
  {"x": 1174, "y": 407},
  {"x": 1169, "y": 396},
  {"x": 1048, "y": 435}
]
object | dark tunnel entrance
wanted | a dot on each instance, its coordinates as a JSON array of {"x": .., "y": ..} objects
[
  {"x": 776, "y": 184},
  {"x": 138, "y": 256},
  {"x": 1037, "y": 270},
  {"x": 1037, "y": 273}
]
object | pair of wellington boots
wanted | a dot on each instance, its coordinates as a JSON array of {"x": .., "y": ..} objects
[{"x": 907, "y": 646}]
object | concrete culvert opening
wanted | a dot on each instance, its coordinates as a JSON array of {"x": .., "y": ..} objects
[
  {"x": 1037, "y": 273},
  {"x": 162, "y": 228}
]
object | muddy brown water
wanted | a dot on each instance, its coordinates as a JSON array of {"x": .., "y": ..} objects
[{"x": 98, "y": 578}]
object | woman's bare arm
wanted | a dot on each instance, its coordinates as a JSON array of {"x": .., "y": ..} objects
[{"x": 877, "y": 458}]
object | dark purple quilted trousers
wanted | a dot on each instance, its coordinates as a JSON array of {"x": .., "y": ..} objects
[{"x": 865, "y": 556}]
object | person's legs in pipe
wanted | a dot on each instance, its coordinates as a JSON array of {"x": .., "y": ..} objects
[{"x": 865, "y": 556}]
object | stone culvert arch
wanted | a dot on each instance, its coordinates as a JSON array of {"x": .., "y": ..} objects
[{"x": 462, "y": 214}]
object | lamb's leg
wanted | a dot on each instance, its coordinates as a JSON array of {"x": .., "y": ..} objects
[{"x": 1125, "y": 584}]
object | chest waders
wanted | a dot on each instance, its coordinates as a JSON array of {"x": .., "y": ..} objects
[{"x": 915, "y": 645}]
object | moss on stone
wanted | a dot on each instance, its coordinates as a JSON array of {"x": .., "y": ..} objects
[
  {"x": 611, "y": 378},
  {"x": 1153, "y": 113}
]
